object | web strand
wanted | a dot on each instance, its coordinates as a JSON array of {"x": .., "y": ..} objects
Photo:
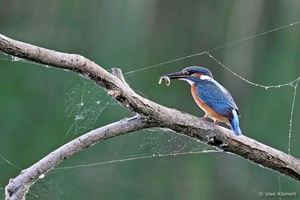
[
  {"x": 136, "y": 158},
  {"x": 292, "y": 112},
  {"x": 214, "y": 49},
  {"x": 250, "y": 82},
  {"x": 293, "y": 83},
  {"x": 10, "y": 163},
  {"x": 78, "y": 107}
]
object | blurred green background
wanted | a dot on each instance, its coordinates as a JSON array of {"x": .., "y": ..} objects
[{"x": 39, "y": 105}]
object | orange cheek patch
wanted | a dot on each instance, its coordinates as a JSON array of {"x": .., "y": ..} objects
[{"x": 197, "y": 75}]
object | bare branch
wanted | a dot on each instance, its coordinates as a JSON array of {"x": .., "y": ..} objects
[
  {"x": 18, "y": 187},
  {"x": 154, "y": 114}
]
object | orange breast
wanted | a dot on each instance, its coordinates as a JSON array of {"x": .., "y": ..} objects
[{"x": 208, "y": 111}]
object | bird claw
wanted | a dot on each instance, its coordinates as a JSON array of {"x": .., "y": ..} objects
[{"x": 204, "y": 118}]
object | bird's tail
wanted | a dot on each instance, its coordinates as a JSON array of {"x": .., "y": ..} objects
[{"x": 234, "y": 124}]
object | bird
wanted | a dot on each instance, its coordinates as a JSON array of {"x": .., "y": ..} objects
[{"x": 210, "y": 96}]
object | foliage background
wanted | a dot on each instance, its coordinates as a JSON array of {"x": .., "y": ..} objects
[{"x": 132, "y": 35}]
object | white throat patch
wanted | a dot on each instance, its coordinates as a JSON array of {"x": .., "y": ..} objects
[
  {"x": 205, "y": 77},
  {"x": 187, "y": 80}
]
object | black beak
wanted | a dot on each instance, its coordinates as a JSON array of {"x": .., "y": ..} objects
[{"x": 176, "y": 75}]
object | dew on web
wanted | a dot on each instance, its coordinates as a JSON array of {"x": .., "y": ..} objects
[
  {"x": 45, "y": 190},
  {"x": 293, "y": 83},
  {"x": 213, "y": 49},
  {"x": 83, "y": 108},
  {"x": 84, "y": 104},
  {"x": 155, "y": 142},
  {"x": 145, "y": 144}
]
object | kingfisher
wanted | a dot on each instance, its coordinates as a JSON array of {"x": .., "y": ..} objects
[{"x": 210, "y": 96}]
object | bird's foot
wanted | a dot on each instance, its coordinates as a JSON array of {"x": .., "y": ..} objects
[{"x": 216, "y": 122}]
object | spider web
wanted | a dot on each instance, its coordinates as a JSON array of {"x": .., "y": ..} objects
[
  {"x": 157, "y": 142},
  {"x": 154, "y": 142},
  {"x": 84, "y": 105}
]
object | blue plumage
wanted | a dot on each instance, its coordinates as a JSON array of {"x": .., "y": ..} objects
[
  {"x": 234, "y": 124},
  {"x": 212, "y": 97},
  {"x": 216, "y": 97}
]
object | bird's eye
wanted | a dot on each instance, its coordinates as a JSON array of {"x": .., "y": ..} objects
[{"x": 186, "y": 72}]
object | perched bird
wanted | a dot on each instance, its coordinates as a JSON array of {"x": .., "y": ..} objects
[{"x": 210, "y": 96}]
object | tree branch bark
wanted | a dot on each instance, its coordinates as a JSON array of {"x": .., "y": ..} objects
[
  {"x": 18, "y": 187},
  {"x": 149, "y": 114}
]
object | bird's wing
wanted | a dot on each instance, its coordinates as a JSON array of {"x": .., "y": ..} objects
[{"x": 216, "y": 97}]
